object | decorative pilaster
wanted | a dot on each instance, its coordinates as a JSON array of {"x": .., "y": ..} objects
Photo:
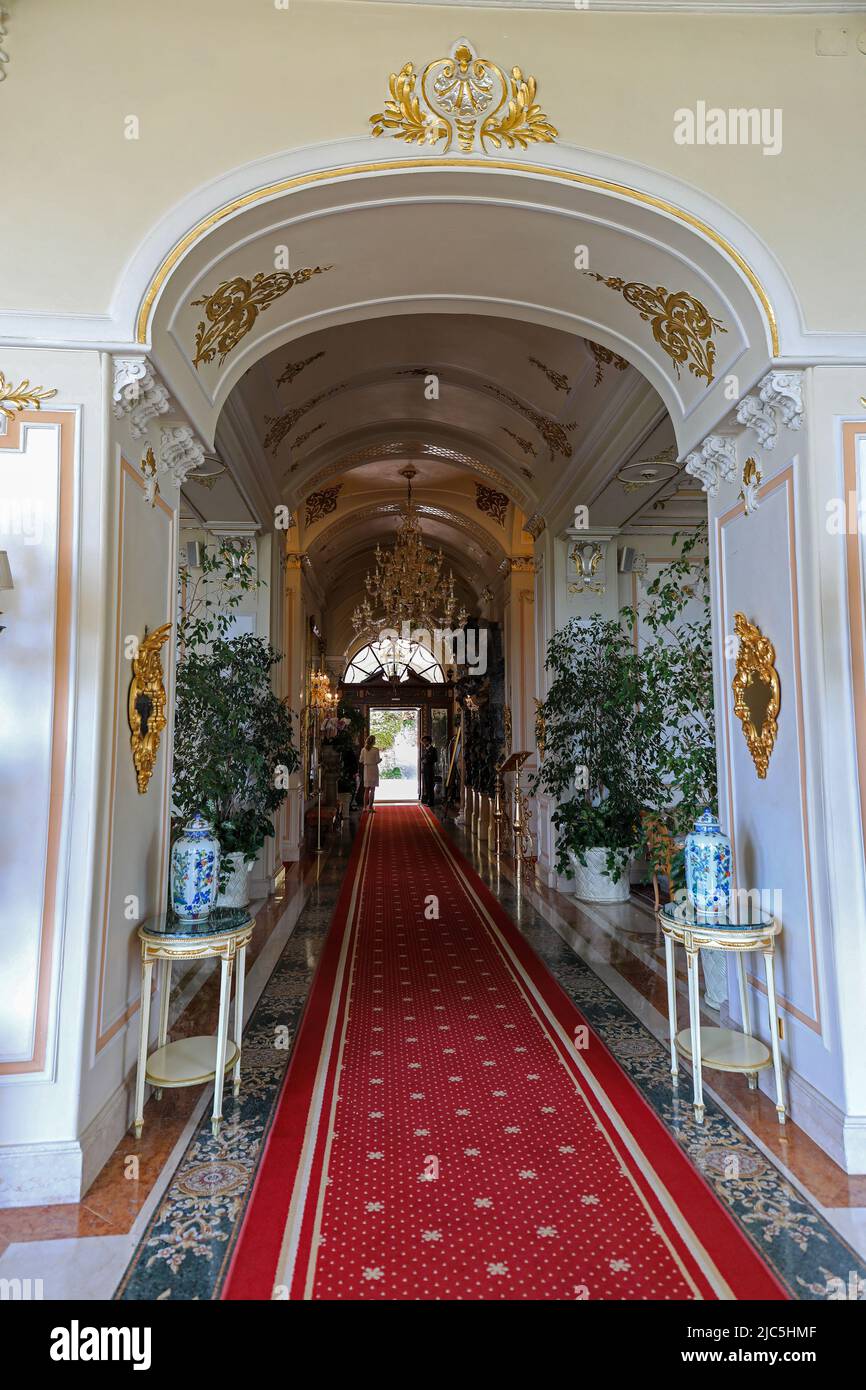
[
  {"x": 784, "y": 392},
  {"x": 138, "y": 394},
  {"x": 714, "y": 463},
  {"x": 755, "y": 414}
]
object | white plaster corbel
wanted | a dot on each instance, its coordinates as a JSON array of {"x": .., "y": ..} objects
[
  {"x": 180, "y": 453},
  {"x": 714, "y": 463},
  {"x": 138, "y": 394},
  {"x": 755, "y": 414},
  {"x": 784, "y": 392}
]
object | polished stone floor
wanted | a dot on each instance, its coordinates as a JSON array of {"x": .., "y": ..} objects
[{"x": 173, "y": 1213}]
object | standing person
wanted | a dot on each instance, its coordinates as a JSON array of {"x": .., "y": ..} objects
[
  {"x": 370, "y": 760},
  {"x": 350, "y": 770},
  {"x": 429, "y": 759}
]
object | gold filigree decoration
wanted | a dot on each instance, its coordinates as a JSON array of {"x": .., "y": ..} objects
[
  {"x": 22, "y": 397},
  {"x": 302, "y": 438},
  {"x": 525, "y": 444},
  {"x": 558, "y": 380},
  {"x": 279, "y": 426},
  {"x": 751, "y": 480},
  {"x": 493, "y": 503},
  {"x": 605, "y": 357},
  {"x": 149, "y": 473},
  {"x": 293, "y": 369},
  {"x": 757, "y": 694},
  {"x": 322, "y": 503},
  {"x": 463, "y": 98},
  {"x": 682, "y": 326},
  {"x": 551, "y": 431},
  {"x": 146, "y": 704},
  {"x": 233, "y": 307}
]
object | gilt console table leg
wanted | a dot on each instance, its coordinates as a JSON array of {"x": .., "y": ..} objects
[
  {"x": 695, "y": 1028},
  {"x": 143, "y": 1030},
  {"x": 769, "y": 966},
  {"x": 670, "y": 967},
  {"x": 164, "y": 995},
  {"x": 239, "y": 1014},
  {"x": 222, "y": 1034}
]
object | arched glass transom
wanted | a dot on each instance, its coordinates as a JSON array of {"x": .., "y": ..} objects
[{"x": 389, "y": 661}]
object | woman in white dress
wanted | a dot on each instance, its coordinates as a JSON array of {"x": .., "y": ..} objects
[{"x": 370, "y": 760}]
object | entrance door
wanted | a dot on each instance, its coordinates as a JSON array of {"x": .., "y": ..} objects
[{"x": 397, "y": 738}]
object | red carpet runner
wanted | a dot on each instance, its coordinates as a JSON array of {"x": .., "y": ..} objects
[{"x": 445, "y": 1130}]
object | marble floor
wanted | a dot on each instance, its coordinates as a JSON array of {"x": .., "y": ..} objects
[{"x": 82, "y": 1250}]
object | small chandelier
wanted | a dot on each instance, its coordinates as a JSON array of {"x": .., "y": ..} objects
[{"x": 408, "y": 585}]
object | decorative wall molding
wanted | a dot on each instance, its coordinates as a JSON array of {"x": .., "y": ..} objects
[
  {"x": 784, "y": 392},
  {"x": 585, "y": 559},
  {"x": 534, "y": 525},
  {"x": 750, "y": 492},
  {"x": 759, "y": 416},
  {"x": 14, "y": 399},
  {"x": 494, "y": 504},
  {"x": 714, "y": 463},
  {"x": 682, "y": 326},
  {"x": 466, "y": 98},
  {"x": 231, "y": 310},
  {"x": 517, "y": 564},
  {"x": 138, "y": 394}
]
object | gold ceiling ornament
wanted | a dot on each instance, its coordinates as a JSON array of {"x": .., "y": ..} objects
[
  {"x": 491, "y": 502},
  {"x": 525, "y": 444},
  {"x": 604, "y": 357},
  {"x": 466, "y": 98},
  {"x": 757, "y": 694},
  {"x": 293, "y": 369},
  {"x": 558, "y": 380},
  {"x": 146, "y": 704},
  {"x": 551, "y": 431},
  {"x": 279, "y": 426},
  {"x": 233, "y": 307},
  {"x": 320, "y": 504},
  {"x": 22, "y": 397},
  {"x": 681, "y": 325},
  {"x": 408, "y": 585}
]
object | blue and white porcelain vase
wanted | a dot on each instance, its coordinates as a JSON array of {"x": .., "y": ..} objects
[
  {"x": 195, "y": 866},
  {"x": 708, "y": 867}
]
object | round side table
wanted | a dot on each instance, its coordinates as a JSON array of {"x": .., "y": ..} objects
[
  {"x": 744, "y": 928},
  {"x": 225, "y": 933}
]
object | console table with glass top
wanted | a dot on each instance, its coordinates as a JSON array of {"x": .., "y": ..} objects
[
  {"x": 742, "y": 929},
  {"x": 224, "y": 934}
]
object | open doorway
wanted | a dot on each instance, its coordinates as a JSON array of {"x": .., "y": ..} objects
[{"x": 397, "y": 734}]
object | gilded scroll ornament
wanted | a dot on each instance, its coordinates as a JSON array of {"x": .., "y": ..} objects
[
  {"x": 756, "y": 691},
  {"x": 293, "y": 369},
  {"x": 146, "y": 705},
  {"x": 551, "y": 431},
  {"x": 321, "y": 504},
  {"x": 233, "y": 307},
  {"x": 463, "y": 98},
  {"x": 558, "y": 380},
  {"x": 493, "y": 503},
  {"x": 751, "y": 484},
  {"x": 525, "y": 444},
  {"x": 681, "y": 325},
  {"x": 22, "y": 397},
  {"x": 605, "y": 357}
]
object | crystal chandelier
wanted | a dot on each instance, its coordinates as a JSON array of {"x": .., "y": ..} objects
[{"x": 408, "y": 585}]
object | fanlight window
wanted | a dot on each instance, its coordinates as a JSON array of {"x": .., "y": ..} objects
[{"x": 393, "y": 661}]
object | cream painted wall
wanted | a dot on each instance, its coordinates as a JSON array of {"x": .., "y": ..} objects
[{"x": 212, "y": 90}]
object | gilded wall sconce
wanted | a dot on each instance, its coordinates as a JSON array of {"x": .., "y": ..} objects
[
  {"x": 756, "y": 690},
  {"x": 146, "y": 705}
]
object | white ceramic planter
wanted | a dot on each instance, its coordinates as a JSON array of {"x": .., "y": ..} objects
[
  {"x": 591, "y": 882},
  {"x": 237, "y": 889}
]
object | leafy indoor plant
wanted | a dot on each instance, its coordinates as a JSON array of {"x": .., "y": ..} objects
[
  {"x": 233, "y": 746},
  {"x": 594, "y": 762}
]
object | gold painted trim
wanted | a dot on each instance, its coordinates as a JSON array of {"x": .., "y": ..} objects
[{"x": 439, "y": 162}]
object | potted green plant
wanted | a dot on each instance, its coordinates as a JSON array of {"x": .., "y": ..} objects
[
  {"x": 593, "y": 762},
  {"x": 233, "y": 747}
]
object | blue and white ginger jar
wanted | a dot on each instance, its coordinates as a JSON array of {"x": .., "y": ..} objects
[
  {"x": 708, "y": 867},
  {"x": 195, "y": 864}
]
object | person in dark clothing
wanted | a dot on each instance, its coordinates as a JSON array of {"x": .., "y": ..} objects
[
  {"x": 429, "y": 759},
  {"x": 349, "y": 771}
]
